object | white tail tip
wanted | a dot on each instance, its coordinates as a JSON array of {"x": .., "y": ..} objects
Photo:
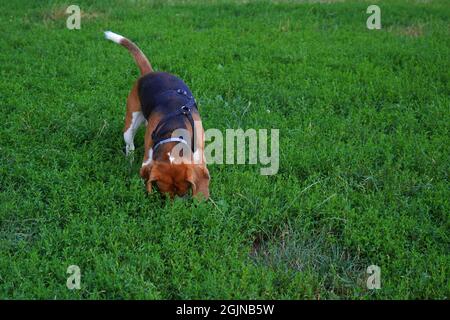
[{"x": 113, "y": 36}]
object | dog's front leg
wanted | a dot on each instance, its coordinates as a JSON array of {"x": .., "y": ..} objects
[
  {"x": 133, "y": 119},
  {"x": 137, "y": 118}
]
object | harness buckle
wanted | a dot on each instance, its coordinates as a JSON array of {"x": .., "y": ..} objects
[
  {"x": 185, "y": 110},
  {"x": 181, "y": 91}
]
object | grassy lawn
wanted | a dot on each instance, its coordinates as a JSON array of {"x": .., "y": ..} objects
[{"x": 364, "y": 151}]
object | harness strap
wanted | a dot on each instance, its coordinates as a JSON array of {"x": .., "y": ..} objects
[
  {"x": 174, "y": 139},
  {"x": 185, "y": 110}
]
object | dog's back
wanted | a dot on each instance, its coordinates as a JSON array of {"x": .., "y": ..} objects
[{"x": 152, "y": 88}]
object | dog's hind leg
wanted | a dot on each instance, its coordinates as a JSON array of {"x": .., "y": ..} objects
[{"x": 133, "y": 119}]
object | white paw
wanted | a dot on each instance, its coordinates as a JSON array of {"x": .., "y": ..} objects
[{"x": 129, "y": 149}]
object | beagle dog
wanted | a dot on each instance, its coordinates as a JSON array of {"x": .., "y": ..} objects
[{"x": 174, "y": 158}]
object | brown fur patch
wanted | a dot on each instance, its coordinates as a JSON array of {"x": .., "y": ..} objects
[
  {"x": 176, "y": 179},
  {"x": 133, "y": 105}
]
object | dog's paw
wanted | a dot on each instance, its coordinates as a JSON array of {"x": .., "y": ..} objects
[{"x": 128, "y": 150}]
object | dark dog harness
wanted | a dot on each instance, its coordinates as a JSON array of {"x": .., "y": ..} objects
[{"x": 185, "y": 110}]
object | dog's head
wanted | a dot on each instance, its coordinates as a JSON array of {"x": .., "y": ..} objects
[{"x": 177, "y": 179}]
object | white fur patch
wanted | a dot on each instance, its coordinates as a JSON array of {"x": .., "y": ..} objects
[
  {"x": 197, "y": 158},
  {"x": 128, "y": 136},
  {"x": 113, "y": 36},
  {"x": 171, "y": 158},
  {"x": 150, "y": 158}
]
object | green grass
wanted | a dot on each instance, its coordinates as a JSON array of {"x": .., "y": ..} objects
[{"x": 364, "y": 152}]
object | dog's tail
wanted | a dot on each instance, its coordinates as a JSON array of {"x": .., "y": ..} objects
[{"x": 140, "y": 58}]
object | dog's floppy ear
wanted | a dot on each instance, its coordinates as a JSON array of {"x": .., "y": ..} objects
[
  {"x": 198, "y": 177},
  {"x": 149, "y": 175}
]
